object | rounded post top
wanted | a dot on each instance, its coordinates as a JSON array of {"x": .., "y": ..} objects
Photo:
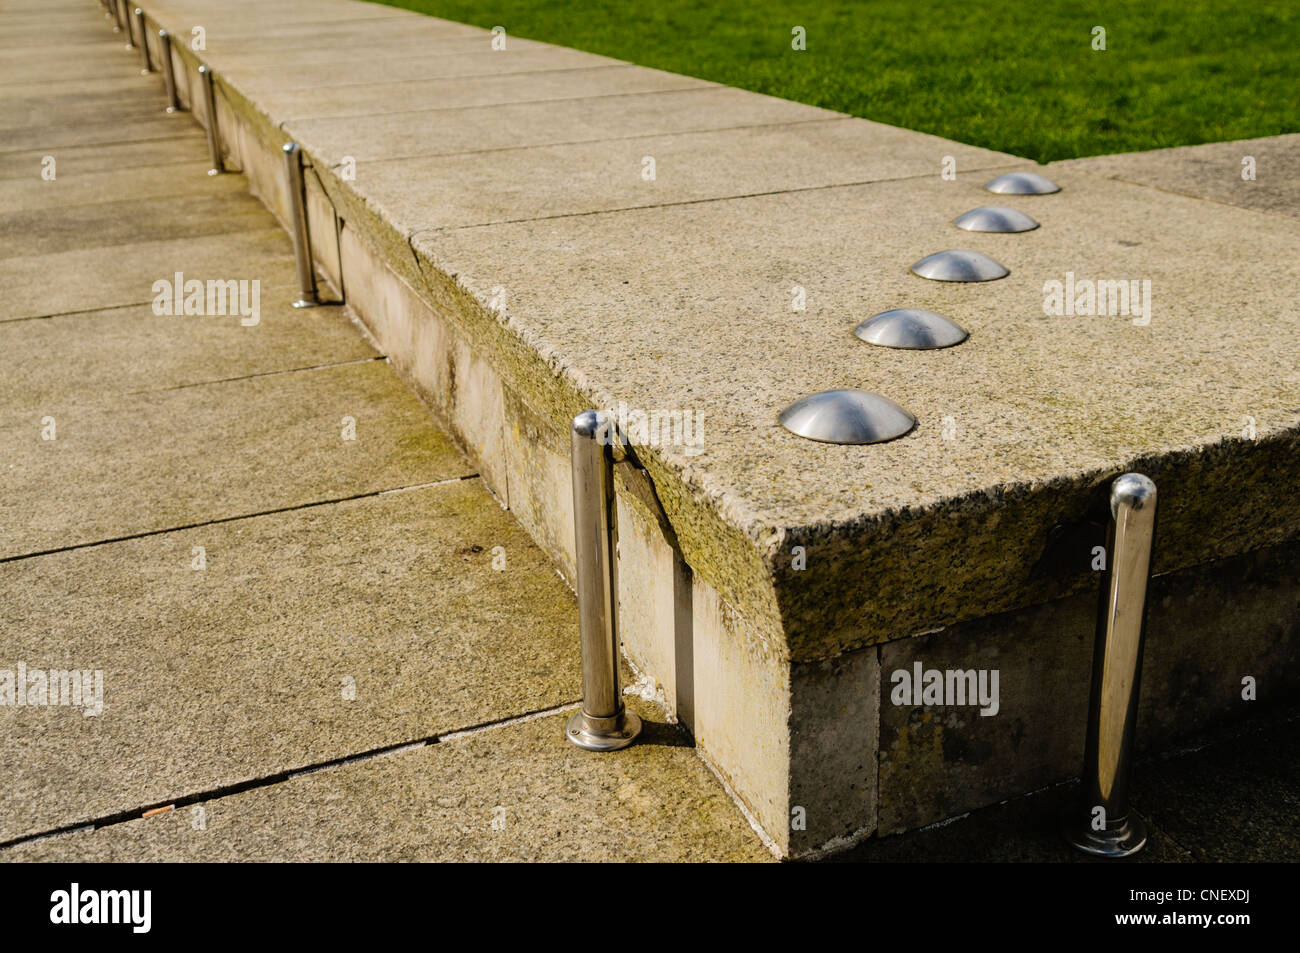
[
  {"x": 1132, "y": 490},
  {"x": 589, "y": 424}
]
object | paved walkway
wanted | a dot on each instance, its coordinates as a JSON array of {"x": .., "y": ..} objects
[
  {"x": 319, "y": 635},
  {"x": 308, "y": 648}
]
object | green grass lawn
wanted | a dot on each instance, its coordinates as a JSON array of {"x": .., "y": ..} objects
[{"x": 1021, "y": 77}]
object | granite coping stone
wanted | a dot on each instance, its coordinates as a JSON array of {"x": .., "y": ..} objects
[
  {"x": 365, "y": 100},
  {"x": 1042, "y": 410},
  {"x": 1215, "y": 171},
  {"x": 605, "y": 175},
  {"x": 514, "y": 125},
  {"x": 901, "y": 537}
]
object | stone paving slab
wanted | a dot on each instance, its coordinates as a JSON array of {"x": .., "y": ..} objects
[
  {"x": 418, "y": 96},
  {"x": 1043, "y": 406},
  {"x": 308, "y": 636},
  {"x": 224, "y": 208},
  {"x": 507, "y": 126},
  {"x": 31, "y": 34},
  {"x": 182, "y": 178},
  {"x": 118, "y": 82},
  {"x": 551, "y": 802},
  {"x": 168, "y": 459},
  {"x": 95, "y": 356},
  {"x": 98, "y": 278},
  {"x": 508, "y": 185},
  {"x": 1214, "y": 171},
  {"x": 141, "y": 127},
  {"x": 84, "y": 63},
  {"x": 28, "y": 114},
  {"x": 180, "y": 146}
]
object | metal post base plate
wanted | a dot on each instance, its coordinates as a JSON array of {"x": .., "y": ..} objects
[
  {"x": 1123, "y": 841},
  {"x": 603, "y": 734}
]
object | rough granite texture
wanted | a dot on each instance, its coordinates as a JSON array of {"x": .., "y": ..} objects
[
  {"x": 217, "y": 676},
  {"x": 1044, "y": 410},
  {"x": 99, "y": 357},
  {"x": 430, "y": 604},
  {"x": 900, "y": 537},
  {"x": 697, "y": 268},
  {"x": 1214, "y": 171},
  {"x": 165, "y": 459},
  {"x": 519, "y": 792},
  {"x": 92, "y": 278}
]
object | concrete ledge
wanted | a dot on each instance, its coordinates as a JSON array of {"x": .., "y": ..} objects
[{"x": 517, "y": 263}]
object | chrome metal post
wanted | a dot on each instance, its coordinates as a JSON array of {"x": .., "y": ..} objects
[
  {"x": 210, "y": 103},
  {"x": 602, "y": 723},
  {"x": 168, "y": 71},
  {"x": 126, "y": 25},
  {"x": 144, "y": 41},
  {"x": 115, "y": 11},
  {"x": 1105, "y": 826},
  {"x": 307, "y": 297}
]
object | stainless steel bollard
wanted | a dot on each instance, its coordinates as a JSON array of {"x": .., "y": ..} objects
[
  {"x": 210, "y": 103},
  {"x": 169, "y": 71},
  {"x": 144, "y": 42},
  {"x": 1105, "y": 825},
  {"x": 126, "y": 25},
  {"x": 602, "y": 723},
  {"x": 307, "y": 297}
]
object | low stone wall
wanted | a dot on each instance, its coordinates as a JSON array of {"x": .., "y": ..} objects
[{"x": 785, "y": 678}]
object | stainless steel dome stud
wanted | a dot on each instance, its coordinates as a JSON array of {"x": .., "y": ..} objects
[
  {"x": 995, "y": 218},
  {"x": 1022, "y": 183},
  {"x": 847, "y": 417},
  {"x": 958, "y": 265},
  {"x": 911, "y": 328}
]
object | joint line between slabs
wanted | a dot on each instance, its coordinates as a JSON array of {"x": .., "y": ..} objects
[
  {"x": 370, "y": 494},
  {"x": 279, "y": 777}
]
